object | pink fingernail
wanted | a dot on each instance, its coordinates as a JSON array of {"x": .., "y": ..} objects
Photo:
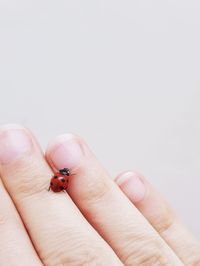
[
  {"x": 65, "y": 151},
  {"x": 132, "y": 185},
  {"x": 13, "y": 143}
]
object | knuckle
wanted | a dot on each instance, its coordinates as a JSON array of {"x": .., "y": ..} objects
[
  {"x": 28, "y": 187},
  {"x": 149, "y": 260},
  {"x": 29, "y": 180},
  {"x": 95, "y": 190},
  {"x": 156, "y": 260},
  {"x": 164, "y": 221},
  {"x": 146, "y": 254},
  {"x": 79, "y": 255}
]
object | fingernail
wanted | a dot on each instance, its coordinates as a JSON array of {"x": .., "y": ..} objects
[
  {"x": 13, "y": 143},
  {"x": 65, "y": 151},
  {"x": 132, "y": 185}
]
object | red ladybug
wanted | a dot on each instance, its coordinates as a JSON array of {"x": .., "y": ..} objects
[{"x": 59, "y": 182}]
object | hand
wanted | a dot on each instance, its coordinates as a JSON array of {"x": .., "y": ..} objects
[{"x": 94, "y": 223}]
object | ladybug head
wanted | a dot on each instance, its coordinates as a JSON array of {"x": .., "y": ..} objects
[{"x": 65, "y": 171}]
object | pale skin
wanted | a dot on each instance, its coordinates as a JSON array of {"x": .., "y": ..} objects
[{"x": 98, "y": 221}]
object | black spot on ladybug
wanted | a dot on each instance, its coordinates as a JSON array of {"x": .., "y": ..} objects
[
  {"x": 51, "y": 184},
  {"x": 55, "y": 176},
  {"x": 61, "y": 187},
  {"x": 63, "y": 180}
]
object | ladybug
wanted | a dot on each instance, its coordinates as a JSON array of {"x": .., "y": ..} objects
[{"x": 59, "y": 182}]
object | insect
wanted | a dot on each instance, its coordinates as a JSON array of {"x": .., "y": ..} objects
[{"x": 59, "y": 182}]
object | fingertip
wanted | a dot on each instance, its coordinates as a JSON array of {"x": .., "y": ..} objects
[
  {"x": 64, "y": 151},
  {"x": 132, "y": 185},
  {"x": 14, "y": 142}
]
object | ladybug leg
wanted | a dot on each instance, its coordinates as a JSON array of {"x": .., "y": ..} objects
[{"x": 49, "y": 188}]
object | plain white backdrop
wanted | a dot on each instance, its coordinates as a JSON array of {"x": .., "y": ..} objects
[{"x": 125, "y": 75}]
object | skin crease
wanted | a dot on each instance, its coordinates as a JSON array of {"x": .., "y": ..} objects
[{"x": 97, "y": 222}]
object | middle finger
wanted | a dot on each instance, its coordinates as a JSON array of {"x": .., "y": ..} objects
[{"x": 106, "y": 207}]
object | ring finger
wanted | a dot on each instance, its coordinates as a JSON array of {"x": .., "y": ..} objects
[{"x": 158, "y": 212}]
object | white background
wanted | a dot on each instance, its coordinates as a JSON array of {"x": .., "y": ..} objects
[{"x": 123, "y": 74}]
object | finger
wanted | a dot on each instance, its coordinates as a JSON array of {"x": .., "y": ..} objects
[
  {"x": 60, "y": 233},
  {"x": 158, "y": 212},
  {"x": 106, "y": 207},
  {"x": 14, "y": 240}
]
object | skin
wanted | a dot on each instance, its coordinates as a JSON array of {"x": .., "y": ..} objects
[{"x": 99, "y": 221}]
